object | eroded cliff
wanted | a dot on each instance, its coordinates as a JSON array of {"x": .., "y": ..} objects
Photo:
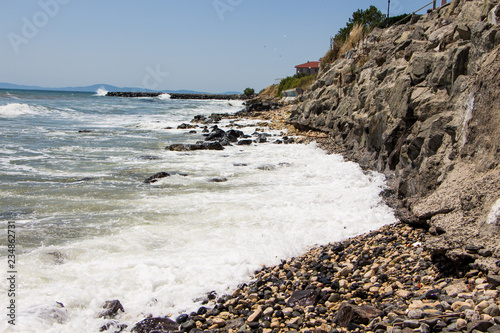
[{"x": 420, "y": 102}]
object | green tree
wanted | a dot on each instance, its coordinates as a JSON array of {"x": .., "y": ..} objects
[
  {"x": 368, "y": 18},
  {"x": 249, "y": 92}
]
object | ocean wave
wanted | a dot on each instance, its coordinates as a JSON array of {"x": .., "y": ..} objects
[
  {"x": 164, "y": 96},
  {"x": 101, "y": 92},
  {"x": 18, "y": 109}
]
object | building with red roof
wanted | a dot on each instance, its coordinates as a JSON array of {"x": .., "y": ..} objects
[{"x": 310, "y": 67}]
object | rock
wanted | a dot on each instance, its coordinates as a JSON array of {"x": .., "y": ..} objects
[
  {"x": 186, "y": 126},
  {"x": 480, "y": 325},
  {"x": 113, "y": 325},
  {"x": 492, "y": 310},
  {"x": 161, "y": 324},
  {"x": 219, "y": 322},
  {"x": 461, "y": 324},
  {"x": 348, "y": 314},
  {"x": 245, "y": 142},
  {"x": 303, "y": 298},
  {"x": 218, "y": 180},
  {"x": 154, "y": 178},
  {"x": 255, "y": 315},
  {"x": 188, "y": 325},
  {"x": 494, "y": 329},
  {"x": 494, "y": 280},
  {"x": 181, "y": 318},
  {"x": 216, "y": 134},
  {"x": 197, "y": 146},
  {"x": 111, "y": 309},
  {"x": 415, "y": 314}
]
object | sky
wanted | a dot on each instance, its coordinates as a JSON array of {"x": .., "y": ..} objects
[{"x": 205, "y": 45}]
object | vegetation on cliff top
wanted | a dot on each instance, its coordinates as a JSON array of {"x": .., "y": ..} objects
[
  {"x": 361, "y": 23},
  {"x": 302, "y": 80}
]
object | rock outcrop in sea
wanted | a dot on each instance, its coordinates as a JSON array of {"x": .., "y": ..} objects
[{"x": 420, "y": 102}]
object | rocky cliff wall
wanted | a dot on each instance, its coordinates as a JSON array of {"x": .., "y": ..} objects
[{"x": 420, "y": 102}]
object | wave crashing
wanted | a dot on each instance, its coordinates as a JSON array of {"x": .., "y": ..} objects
[{"x": 17, "y": 109}]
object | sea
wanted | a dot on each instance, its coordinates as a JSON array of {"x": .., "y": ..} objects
[{"x": 81, "y": 227}]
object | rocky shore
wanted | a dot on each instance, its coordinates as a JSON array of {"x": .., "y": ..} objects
[
  {"x": 383, "y": 281},
  {"x": 418, "y": 102}
]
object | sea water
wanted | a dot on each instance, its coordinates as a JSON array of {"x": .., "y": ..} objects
[{"x": 88, "y": 229}]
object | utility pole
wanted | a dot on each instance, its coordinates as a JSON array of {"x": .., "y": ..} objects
[{"x": 388, "y": 8}]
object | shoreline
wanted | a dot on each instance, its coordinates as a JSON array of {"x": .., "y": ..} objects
[{"x": 381, "y": 281}]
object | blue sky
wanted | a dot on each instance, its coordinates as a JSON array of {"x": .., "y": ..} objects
[{"x": 204, "y": 45}]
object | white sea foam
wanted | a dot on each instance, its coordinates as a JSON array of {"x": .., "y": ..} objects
[
  {"x": 156, "y": 247},
  {"x": 18, "y": 109},
  {"x": 164, "y": 96},
  {"x": 101, "y": 92},
  {"x": 189, "y": 236}
]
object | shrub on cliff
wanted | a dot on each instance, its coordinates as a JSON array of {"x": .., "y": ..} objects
[
  {"x": 302, "y": 80},
  {"x": 361, "y": 23},
  {"x": 249, "y": 92}
]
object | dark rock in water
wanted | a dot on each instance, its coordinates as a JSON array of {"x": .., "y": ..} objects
[
  {"x": 352, "y": 314},
  {"x": 196, "y": 146},
  {"x": 218, "y": 180},
  {"x": 185, "y": 126},
  {"x": 225, "y": 141},
  {"x": 245, "y": 142},
  {"x": 199, "y": 118},
  {"x": 86, "y": 179},
  {"x": 149, "y": 157},
  {"x": 182, "y": 174},
  {"x": 158, "y": 324},
  {"x": 233, "y": 135},
  {"x": 303, "y": 298},
  {"x": 240, "y": 164},
  {"x": 216, "y": 134},
  {"x": 111, "y": 309},
  {"x": 154, "y": 178},
  {"x": 113, "y": 325},
  {"x": 266, "y": 167},
  {"x": 261, "y": 138}
]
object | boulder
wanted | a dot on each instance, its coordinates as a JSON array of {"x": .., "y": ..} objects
[
  {"x": 352, "y": 314},
  {"x": 156, "y": 324},
  {"x": 153, "y": 179},
  {"x": 197, "y": 146}
]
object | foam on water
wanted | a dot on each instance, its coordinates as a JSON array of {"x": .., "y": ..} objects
[
  {"x": 187, "y": 236},
  {"x": 101, "y": 92},
  {"x": 18, "y": 109},
  {"x": 90, "y": 230},
  {"x": 164, "y": 96}
]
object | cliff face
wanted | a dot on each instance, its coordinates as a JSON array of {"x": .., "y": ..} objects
[{"x": 420, "y": 102}]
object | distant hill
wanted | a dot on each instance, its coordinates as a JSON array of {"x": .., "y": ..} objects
[{"x": 107, "y": 87}]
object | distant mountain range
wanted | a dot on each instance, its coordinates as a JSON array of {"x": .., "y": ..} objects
[{"x": 107, "y": 87}]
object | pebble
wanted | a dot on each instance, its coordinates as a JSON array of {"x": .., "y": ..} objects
[{"x": 390, "y": 285}]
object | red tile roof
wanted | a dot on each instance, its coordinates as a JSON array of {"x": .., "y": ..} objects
[{"x": 309, "y": 64}]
